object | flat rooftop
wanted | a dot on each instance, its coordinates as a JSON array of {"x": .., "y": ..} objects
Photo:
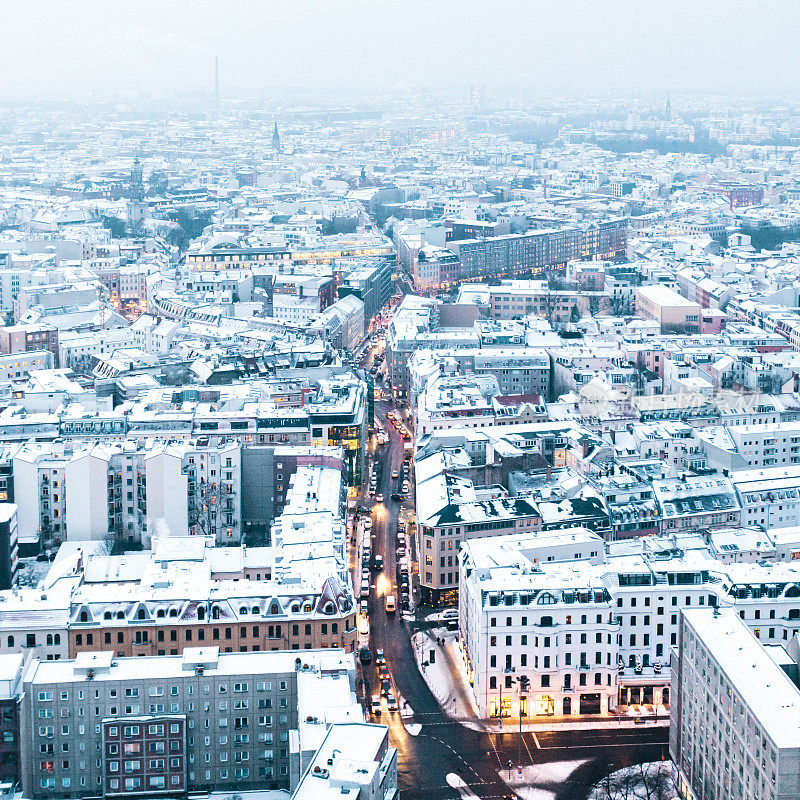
[{"x": 763, "y": 686}]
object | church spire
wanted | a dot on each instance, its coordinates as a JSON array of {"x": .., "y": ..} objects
[{"x": 276, "y": 139}]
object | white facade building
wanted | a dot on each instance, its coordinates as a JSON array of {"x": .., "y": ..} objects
[
  {"x": 591, "y": 624},
  {"x": 735, "y": 720}
]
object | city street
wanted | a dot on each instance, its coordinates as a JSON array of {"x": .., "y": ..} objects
[{"x": 430, "y": 745}]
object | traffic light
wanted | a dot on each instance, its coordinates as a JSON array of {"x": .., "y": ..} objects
[{"x": 524, "y": 682}]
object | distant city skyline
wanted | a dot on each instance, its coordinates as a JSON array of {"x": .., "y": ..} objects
[{"x": 100, "y": 48}]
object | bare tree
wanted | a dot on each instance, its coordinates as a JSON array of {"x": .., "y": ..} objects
[
  {"x": 647, "y": 781},
  {"x": 620, "y": 305},
  {"x": 108, "y": 544},
  {"x": 549, "y": 305},
  {"x": 26, "y": 576},
  {"x": 655, "y": 780}
]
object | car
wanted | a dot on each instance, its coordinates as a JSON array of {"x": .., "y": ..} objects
[
  {"x": 367, "y": 524},
  {"x": 398, "y": 497},
  {"x": 379, "y": 497},
  {"x": 386, "y": 686},
  {"x": 378, "y": 562},
  {"x": 390, "y": 604},
  {"x": 406, "y": 487},
  {"x": 401, "y": 551},
  {"x": 364, "y": 655},
  {"x": 364, "y": 607},
  {"x": 395, "y": 474},
  {"x": 376, "y": 704},
  {"x": 450, "y": 613},
  {"x": 380, "y": 658},
  {"x": 383, "y": 671},
  {"x": 638, "y": 720},
  {"x": 391, "y": 702},
  {"x": 405, "y": 603},
  {"x": 364, "y": 587}
]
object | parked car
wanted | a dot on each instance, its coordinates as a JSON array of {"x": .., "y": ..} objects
[
  {"x": 364, "y": 607},
  {"x": 365, "y": 656}
]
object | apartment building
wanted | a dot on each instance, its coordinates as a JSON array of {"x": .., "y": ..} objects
[
  {"x": 18, "y": 366},
  {"x": 451, "y": 510},
  {"x": 518, "y": 370},
  {"x": 294, "y": 594},
  {"x": 697, "y": 503},
  {"x": 672, "y": 311},
  {"x": 129, "y": 491},
  {"x": 519, "y": 299},
  {"x": 738, "y": 448},
  {"x": 579, "y": 617},
  {"x": 200, "y": 721},
  {"x": 12, "y": 669},
  {"x": 769, "y": 496},
  {"x": 735, "y": 717},
  {"x": 27, "y": 338},
  {"x": 514, "y": 253}
]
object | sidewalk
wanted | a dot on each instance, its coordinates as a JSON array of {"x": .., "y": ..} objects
[{"x": 447, "y": 680}]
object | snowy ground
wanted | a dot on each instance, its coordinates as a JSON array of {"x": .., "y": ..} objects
[
  {"x": 444, "y": 677},
  {"x": 534, "y": 782},
  {"x": 639, "y": 782}
]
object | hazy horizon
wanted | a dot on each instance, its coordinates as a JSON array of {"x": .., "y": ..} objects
[{"x": 86, "y": 47}]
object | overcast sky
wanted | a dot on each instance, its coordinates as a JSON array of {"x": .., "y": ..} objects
[{"x": 79, "y": 46}]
